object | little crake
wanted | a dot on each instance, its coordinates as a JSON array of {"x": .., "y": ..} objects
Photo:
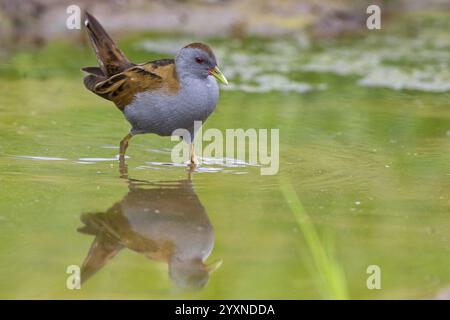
[{"x": 158, "y": 96}]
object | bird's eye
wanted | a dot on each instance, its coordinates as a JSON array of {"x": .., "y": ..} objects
[{"x": 199, "y": 60}]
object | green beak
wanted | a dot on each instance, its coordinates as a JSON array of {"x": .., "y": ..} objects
[{"x": 218, "y": 75}]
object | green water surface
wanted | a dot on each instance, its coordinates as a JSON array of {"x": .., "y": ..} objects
[{"x": 364, "y": 180}]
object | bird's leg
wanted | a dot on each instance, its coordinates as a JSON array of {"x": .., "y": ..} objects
[
  {"x": 194, "y": 160},
  {"x": 124, "y": 145},
  {"x": 123, "y": 169},
  {"x": 191, "y": 170}
]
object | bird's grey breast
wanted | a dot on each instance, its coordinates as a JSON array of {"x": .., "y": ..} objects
[
  {"x": 162, "y": 113},
  {"x": 170, "y": 215}
]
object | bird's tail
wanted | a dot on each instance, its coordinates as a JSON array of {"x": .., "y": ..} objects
[
  {"x": 102, "y": 250},
  {"x": 109, "y": 56}
]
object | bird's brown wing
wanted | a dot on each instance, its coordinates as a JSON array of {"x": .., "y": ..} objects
[{"x": 123, "y": 87}]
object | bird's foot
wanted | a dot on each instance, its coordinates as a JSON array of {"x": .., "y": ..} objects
[
  {"x": 194, "y": 160},
  {"x": 123, "y": 168}
]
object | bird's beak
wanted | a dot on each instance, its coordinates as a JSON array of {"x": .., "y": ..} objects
[{"x": 218, "y": 74}]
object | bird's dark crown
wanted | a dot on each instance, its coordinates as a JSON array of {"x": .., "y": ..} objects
[{"x": 202, "y": 46}]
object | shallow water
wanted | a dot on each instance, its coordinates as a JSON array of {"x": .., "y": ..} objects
[{"x": 364, "y": 180}]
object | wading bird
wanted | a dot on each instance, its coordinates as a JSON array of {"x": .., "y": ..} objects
[{"x": 158, "y": 96}]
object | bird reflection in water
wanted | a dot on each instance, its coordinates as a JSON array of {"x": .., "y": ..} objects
[{"x": 165, "y": 221}]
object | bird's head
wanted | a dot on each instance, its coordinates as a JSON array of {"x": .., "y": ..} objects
[
  {"x": 191, "y": 274},
  {"x": 198, "y": 60}
]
